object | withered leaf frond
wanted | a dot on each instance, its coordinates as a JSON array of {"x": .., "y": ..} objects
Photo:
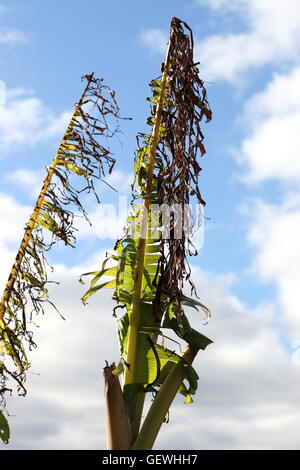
[
  {"x": 82, "y": 157},
  {"x": 151, "y": 269}
]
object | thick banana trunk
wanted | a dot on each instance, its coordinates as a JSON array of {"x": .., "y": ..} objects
[{"x": 118, "y": 431}]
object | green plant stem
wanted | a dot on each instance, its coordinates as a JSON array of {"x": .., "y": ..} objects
[
  {"x": 135, "y": 315},
  {"x": 162, "y": 402},
  {"x": 135, "y": 400},
  {"x": 134, "y": 397}
]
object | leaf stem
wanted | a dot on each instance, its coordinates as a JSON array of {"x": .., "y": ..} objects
[
  {"x": 135, "y": 399},
  {"x": 163, "y": 401},
  {"x": 135, "y": 314}
]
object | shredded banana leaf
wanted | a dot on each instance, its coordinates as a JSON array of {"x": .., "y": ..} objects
[
  {"x": 81, "y": 158},
  {"x": 166, "y": 271}
]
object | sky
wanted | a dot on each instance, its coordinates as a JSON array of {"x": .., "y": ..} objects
[{"x": 248, "y": 269}]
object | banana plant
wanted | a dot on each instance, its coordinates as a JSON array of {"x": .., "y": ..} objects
[
  {"x": 80, "y": 157},
  {"x": 148, "y": 268}
]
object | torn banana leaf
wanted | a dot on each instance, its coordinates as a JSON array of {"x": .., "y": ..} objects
[{"x": 81, "y": 159}]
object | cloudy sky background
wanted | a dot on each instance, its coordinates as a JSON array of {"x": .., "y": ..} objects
[{"x": 248, "y": 270}]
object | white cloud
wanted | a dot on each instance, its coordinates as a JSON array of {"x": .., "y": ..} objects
[
  {"x": 275, "y": 232},
  {"x": 28, "y": 179},
  {"x": 13, "y": 93},
  {"x": 155, "y": 39},
  {"x": 13, "y": 218},
  {"x": 271, "y": 35},
  {"x": 221, "y": 56},
  {"x": 107, "y": 223},
  {"x": 248, "y": 395},
  {"x": 56, "y": 125},
  {"x": 120, "y": 181},
  {"x": 281, "y": 97},
  {"x": 225, "y": 5},
  {"x": 13, "y": 36},
  {"x": 241, "y": 402},
  {"x": 271, "y": 151},
  {"x": 27, "y": 121},
  {"x": 64, "y": 407}
]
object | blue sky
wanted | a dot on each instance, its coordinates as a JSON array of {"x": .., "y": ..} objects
[
  {"x": 247, "y": 271},
  {"x": 57, "y": 51}
]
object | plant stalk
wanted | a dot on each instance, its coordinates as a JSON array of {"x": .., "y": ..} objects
[
  {"x": 118, "y": 432},
  {"x": 162, "y": 402},
  {"x": 134, "y": 321},
  {"x": 134, "y": 398}
]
